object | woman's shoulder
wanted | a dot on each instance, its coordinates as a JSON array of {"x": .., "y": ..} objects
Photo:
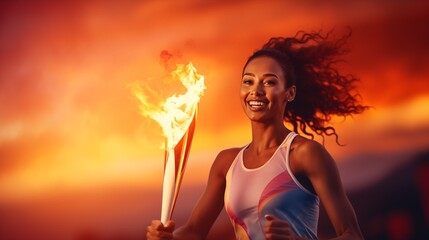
[
  {"x": 307, "y": 153},
  {"x": 229, "y": 153},
  {"x": 224, "y": 159},
  {"x": 305, "y": 146}
]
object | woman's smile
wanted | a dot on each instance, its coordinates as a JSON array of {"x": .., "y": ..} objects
[{"x": 256, "y": 105}]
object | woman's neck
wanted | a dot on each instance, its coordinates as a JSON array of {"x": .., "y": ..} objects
[{"x": 267, "y": 136}]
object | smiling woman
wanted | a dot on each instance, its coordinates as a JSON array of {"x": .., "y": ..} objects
[{"x": 271, "y": 188}]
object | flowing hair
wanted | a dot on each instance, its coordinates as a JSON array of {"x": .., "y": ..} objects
[{"x": 308, "y": 61}]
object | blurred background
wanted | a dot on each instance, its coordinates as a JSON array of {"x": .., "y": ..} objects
[{"x": 78, "y": 162}]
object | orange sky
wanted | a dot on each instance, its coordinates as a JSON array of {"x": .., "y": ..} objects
[{"x": 69, "y": 121}]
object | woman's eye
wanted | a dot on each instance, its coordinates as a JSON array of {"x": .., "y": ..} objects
[
  {"x": 247, "y": 81},
  {"x": 269, "y": 82}
]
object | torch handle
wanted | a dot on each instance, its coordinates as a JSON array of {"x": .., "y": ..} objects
[{"x": 168, "y": 187}]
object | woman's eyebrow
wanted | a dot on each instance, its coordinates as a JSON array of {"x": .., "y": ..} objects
[
  {"x": 249, "y": 74},
  {"x": 265, "y": 75},
  {"x": 270, "y": 75}
]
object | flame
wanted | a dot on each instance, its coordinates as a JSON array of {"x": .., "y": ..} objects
[{"x": 176, "y": 113}]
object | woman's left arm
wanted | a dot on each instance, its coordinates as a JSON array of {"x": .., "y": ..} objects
[{"x": 320, "y": 168}]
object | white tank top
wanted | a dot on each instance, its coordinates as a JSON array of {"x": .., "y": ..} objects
[{"x": 272, "y": 189}]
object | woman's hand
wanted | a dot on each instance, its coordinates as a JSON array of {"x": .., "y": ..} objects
[
  {"x": 158, "y": 231},
  {"x": 277, "y": 229}
]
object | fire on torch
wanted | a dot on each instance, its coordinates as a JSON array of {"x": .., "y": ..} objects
[{"x": 177, "y": 117}]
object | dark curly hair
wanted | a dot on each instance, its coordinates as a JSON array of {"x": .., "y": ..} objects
[{"x": 308, "y": 61}]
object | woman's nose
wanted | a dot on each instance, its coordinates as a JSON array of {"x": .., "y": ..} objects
[{"x": 257, "y": 90}]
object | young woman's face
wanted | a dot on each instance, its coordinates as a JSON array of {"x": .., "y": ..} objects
[{"x": 263, "y": 90}]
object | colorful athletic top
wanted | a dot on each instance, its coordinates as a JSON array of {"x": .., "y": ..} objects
[{"x": 272, "y": 189}]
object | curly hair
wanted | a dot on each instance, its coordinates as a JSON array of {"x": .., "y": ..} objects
[{"x": 308, "y": 61}]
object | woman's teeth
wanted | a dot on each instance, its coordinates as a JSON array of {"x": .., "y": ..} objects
[{"x": 256, "y": 103}]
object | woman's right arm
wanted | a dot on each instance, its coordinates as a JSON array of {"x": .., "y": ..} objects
[{"x": 207, "y": 209}]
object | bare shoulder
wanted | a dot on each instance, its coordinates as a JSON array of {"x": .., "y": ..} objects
[
  {"x": 308, "y": 154},
  {"x": 224, "y": 160},
  {"x": 304, "y": 146}
]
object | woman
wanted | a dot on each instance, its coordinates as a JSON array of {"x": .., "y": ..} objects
[{"x": 271, "y": 188}]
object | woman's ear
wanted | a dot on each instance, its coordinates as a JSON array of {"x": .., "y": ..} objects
[{"x": 291, "y": 93}]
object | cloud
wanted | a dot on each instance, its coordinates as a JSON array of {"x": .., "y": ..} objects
[{"x": 389, "y": 52}]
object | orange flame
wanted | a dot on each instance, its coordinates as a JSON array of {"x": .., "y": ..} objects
[{"x": 176, "y": 113}]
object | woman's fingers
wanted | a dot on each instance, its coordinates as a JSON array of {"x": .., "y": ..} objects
[
  {"x": 158, "y": 231},
  {"x": 277, "y": 229},
  {"x": 170, "y": 226}
]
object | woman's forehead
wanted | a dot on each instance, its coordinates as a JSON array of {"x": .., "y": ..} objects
[{"x": 263, "y": 65}]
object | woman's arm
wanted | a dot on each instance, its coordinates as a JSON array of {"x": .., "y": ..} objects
[
  {"x": 312, "y": 159},
  {"x": 208, "y": 207}
]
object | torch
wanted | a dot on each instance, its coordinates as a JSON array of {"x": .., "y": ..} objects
[{"x": 177, "y": 117}]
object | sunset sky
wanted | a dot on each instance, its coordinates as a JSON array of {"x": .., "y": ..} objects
[{"x": 69, "y": 122}]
